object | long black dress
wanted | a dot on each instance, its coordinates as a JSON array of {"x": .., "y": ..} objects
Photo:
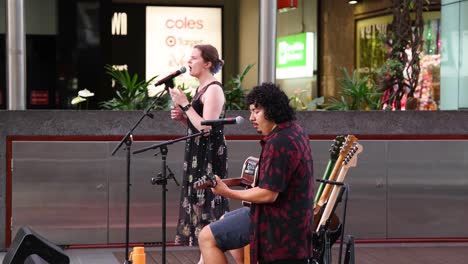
[{"x": 203, "y": 155}]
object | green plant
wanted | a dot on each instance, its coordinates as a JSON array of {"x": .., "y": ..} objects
[
  {"x": 305, "y": 105},
  {"x": 131, "y": 93},
  {"x": 296, "y": 103},
  {"x": 188, "y": 91},
  {"x": 358, "y": 93},
  {"x": 234, "y": 92}
]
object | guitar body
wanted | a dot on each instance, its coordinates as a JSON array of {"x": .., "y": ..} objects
[
  {"x": 334, "y": 219},
  {"x": 248, "y": 178},
  {"x": 249, "y": 174}
]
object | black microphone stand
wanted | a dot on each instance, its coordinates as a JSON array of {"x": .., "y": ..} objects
[
  {"x": 162, "y": 179},
  {"x": 128, "y": 140}
]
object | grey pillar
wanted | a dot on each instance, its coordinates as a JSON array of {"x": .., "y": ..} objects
[
  {"x": 267, "y": 41},
  {"x": 16, "y": 55}
]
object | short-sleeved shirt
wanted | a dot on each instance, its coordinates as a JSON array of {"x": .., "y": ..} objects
[{"x": 283, "y": 229}]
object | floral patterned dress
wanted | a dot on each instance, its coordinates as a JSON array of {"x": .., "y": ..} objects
[{"x": 203, "y": 155}]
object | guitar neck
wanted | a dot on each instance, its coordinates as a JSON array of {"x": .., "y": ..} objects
[
  {"x": 332, "y": 199},
  {"x": 346, "y": 162},
  {"x": 326, "y": 176},
  {"x": 328, "y": 187},
  {"x": 233, "y": 182}
]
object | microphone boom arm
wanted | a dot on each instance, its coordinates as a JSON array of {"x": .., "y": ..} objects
[{"x": 170, "y": 142}]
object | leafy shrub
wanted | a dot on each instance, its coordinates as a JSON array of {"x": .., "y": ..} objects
[
  {"x": 358, "y": 93},
  {"x": 131, "y": 93}
]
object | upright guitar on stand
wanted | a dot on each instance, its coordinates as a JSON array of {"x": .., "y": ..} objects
[
  {"x": 326, "y": 229},
  {"x": 325, "y": 194},
  {"x": 348, "y": 162},
  {"x": 334, "y": 153}
]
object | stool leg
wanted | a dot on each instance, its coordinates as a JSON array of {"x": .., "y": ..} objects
[{"x": 247, "y": 254}]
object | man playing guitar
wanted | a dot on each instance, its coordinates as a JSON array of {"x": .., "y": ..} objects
[{"x": 278, "y": 224}]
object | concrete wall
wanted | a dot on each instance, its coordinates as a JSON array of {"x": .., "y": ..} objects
[{"x": 409, "y": 126}]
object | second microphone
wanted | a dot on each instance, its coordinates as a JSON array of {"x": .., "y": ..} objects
[{"x": 223, "y": 121}]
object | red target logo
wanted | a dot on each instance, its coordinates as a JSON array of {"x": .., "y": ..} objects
[{"x": 171, "y": 41}]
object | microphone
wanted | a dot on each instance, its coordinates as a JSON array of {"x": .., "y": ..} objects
[
  {"x": 223, "y": 121},
  {"x": 171, "y": 76}
]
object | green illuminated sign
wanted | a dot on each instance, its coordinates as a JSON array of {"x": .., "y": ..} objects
[{"x": 294, "y": 56}]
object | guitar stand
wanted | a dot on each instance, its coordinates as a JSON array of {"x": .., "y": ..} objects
[
  {"x": 324, "y": 239},
  {"x": 349, "y": 253}
]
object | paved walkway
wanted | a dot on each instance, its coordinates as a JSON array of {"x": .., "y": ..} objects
[{"x": 391, "y": 253}]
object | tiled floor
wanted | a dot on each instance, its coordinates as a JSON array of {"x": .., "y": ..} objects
[{"x": 401, "y": 253}]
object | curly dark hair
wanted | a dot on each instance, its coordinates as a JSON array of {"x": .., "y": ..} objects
[{"x": 274, "y": 102}]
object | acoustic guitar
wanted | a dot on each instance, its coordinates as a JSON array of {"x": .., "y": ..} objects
[{"x": 248, "y": 178}]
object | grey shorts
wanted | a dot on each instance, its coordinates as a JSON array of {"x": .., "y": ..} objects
[{"x": 232, "y": 231}]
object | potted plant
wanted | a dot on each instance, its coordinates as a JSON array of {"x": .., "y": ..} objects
[
  {"x": 234, "y": 92},
  {"x": 131, "y": 93},
  {"x": 358, "y": 93}
]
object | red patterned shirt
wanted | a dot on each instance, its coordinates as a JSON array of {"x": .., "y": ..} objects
[{"x": 282, "y": 229}]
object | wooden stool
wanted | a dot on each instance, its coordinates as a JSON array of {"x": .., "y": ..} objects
[{"x": 247, "y": 254}]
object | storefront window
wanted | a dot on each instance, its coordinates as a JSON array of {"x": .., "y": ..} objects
[
  {"x": 454, "y": 55},
  {"x": 296, "y": 48},
  {"x": 69, "y": 42},
  {"x": 62, "y": 51},
  {"x": 372, "y": 52},
  {"x": 301, "y": 86}
]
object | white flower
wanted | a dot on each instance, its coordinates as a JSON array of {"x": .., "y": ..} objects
[
  {"x": 85, "y": 93},
  {"x": 77, "y": 100}
]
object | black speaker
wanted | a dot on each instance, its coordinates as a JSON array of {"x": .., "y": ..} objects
[
  {"x": 35, "y": 259},
  {"x": 30, "y": 247}
]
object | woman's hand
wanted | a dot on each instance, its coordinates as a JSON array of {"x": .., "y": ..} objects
[
  {"x": 177, "y": 113},
  {"x": 178, "y": 97}
]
